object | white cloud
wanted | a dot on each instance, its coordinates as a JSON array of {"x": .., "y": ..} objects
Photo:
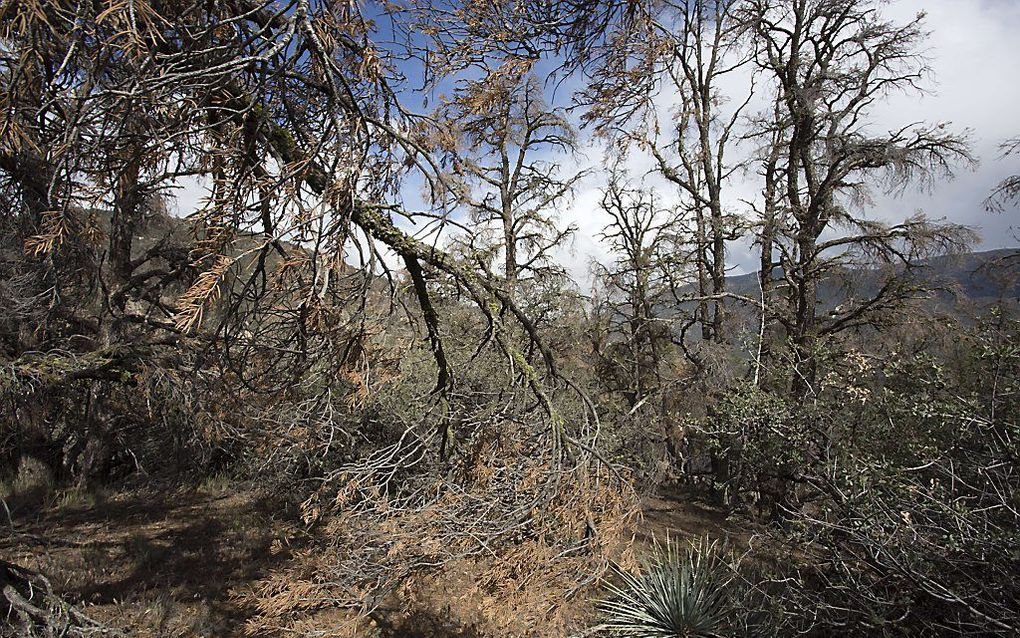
[
  {"x": 975, "y": 59},
  {"x": 975, "y": 56}
]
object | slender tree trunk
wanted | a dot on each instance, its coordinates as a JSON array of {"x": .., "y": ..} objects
[
  {"x": 718, "y": 271},
  {"x": 704, "y": 278},
  {"x": 510, "y": 241},
  {"x": 766, "y": 279},
  {"x": 508, "y": 188},
  {"x": 125, "y": 220},
  {"x": 805, "y": 340},
  {"x": 716, "y": 230}
]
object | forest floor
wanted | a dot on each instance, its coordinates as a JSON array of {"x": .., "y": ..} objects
[{"x": 176, "y": 562}]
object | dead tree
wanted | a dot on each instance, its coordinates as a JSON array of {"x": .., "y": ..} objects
[
  {"x": 504, "y": 126},
  {"x": 636, "y": 285},
  {"x": 681, "y": 52},
  {"x": 827, "y": 63},
  {"x": 30, "y": 607}
]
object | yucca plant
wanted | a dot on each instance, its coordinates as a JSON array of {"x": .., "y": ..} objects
[{"x": 682, "y": 591}]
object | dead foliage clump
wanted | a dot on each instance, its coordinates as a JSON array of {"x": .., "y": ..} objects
[{"x": 503, "y": 543}]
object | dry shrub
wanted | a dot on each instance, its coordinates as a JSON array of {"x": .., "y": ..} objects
[
  {"x": 31, "y": 487},
  {"x": 505, "y": 542}
]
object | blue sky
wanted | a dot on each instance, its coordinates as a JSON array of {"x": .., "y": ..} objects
[{"x": 974, "y": 51}]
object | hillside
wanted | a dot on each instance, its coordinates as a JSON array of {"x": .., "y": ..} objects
[{"x": 981, "y": 277}]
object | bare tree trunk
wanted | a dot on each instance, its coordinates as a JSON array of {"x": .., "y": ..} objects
[
  {"x": 805, "y": 337},
  {"x": 713, "y": 188},
  {"x": 704, "y": 279},
  {"x": 124, "y": 223},
  {"x": 718, "y": 272},
  {"x": 766, "y": 263},
  {"x": 765, "y": 281},
  {"x": 510, "y": 241}
]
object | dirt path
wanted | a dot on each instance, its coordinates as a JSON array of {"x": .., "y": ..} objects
[
  {"x": 160, "y": 563},
  {"x": 681, "y": 516},
  {"x": 171, "y": 562}
]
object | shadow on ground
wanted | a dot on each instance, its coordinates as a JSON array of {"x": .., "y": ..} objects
[{"x": 161, "y": 562}]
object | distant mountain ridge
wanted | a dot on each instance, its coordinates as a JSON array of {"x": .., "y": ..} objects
[{"x": 982, "y": 277}]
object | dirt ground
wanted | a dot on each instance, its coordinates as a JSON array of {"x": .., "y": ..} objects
[
  {"x": 175, "y": 561},
  {"x": 156, "y": 562}
]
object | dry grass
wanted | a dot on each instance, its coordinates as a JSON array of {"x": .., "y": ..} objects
[
  {"x": 28, "y": 490},
  {"x": 217, "y": 562}
]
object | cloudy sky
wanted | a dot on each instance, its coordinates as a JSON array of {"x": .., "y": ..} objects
[{"x": 974, "y": 52}]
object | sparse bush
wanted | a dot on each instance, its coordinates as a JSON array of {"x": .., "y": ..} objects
[
  {"x": 906, "y": 509},
  {"x": 31, "y": 487}
]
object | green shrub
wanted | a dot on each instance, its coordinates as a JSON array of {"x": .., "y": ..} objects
[{"x": 681, "y": 591}]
